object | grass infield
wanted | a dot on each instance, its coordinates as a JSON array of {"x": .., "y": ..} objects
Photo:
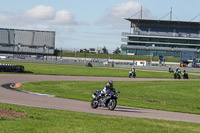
[
  {"x": 72, "y": 70},
  {"x": 180, "y": 96},
  {"x": 120, "y": 57},
  {"x": 58, "y": 121}
]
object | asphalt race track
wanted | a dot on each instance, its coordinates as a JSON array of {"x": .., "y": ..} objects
[{"x": 15, "y": 97}]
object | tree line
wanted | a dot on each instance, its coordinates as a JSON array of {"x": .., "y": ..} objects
[{"x": 104, "y": 50}]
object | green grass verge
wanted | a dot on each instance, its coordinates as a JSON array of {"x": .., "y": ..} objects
[
  {"x": 72, "y": 70},
  {"x": 57, "y": 121},
  {"x": 121, "y": 57},
  {"x": 180, "y": 96}
]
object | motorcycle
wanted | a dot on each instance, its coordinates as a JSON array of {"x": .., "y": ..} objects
[
  {"x": 185, "y": 76},
  {"x": 132, "y": 74},
  {"x": 171, "y": 70},
  {"x": 177, "y": 75},
  {"x": 109, "y": 101}
]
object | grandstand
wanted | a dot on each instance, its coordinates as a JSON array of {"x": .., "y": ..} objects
[
  {"x": 161, "y": 37},
  {"x": 18, "y": 41}
]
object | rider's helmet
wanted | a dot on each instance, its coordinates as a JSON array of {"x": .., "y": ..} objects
[{"x": 110, "y": 83}]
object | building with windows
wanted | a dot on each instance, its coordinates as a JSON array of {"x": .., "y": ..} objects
[
  {"x": 161, "y": 38},
  {"x": 18, "y": 41}
]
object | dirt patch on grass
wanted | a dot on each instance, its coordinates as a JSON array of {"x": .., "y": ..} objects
[{"x": 10, "y": 114}]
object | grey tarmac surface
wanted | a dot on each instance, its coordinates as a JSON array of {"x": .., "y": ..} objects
[{"x": 15, "y": 97}]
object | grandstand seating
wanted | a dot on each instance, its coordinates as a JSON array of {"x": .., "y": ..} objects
[
  {"x": 179, "y": 32},
  {"x": 4, "y": 36},
  {"x": 27, "y": 41}
]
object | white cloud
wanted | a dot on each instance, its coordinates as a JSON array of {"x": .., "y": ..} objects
[
  {"x": 63, "y": 17},
  {"x": 34, "y": 27},
  {"x": 40, "y": 12},
  {"x": 124, "y": 9},
  {"x": 48, "y": 15},
  {"x": 69, "y": 29},
  {"x": 115, "y": 16},
  {"x": 39, "y": 15},
  {"x": 6, "y": 19}
]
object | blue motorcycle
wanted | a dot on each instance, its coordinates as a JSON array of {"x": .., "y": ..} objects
[{"x": 109, "y": 101}]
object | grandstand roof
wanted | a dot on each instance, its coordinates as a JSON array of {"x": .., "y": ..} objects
[
  {"x": 27, "y": 30},
  {"x": 165, "y": 23}
]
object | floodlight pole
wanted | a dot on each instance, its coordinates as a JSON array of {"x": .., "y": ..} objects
[
  {"x": 171, "y": 14},
  {"x": 141, "y": 13},
  {"x": 61, "y": 53},
  {"x": 85, "y": 58},
  {"x": 56, "y": 54}
]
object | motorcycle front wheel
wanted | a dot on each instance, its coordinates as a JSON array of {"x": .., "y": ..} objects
[
  {"x": 94, "y": 104},
  {"x": 112, "y": 104}
]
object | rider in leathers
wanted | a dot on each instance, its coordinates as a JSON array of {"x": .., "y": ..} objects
[
  {"x": 107, "y": 89},
  {"x": 133, "y": 70}
]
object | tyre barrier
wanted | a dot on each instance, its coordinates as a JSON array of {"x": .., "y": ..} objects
[{"x": 11, "y": 68}]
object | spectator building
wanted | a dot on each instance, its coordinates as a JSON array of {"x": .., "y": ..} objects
[
  {"x": 161, "y": 38},
  {"x": 18, "y": 41}
]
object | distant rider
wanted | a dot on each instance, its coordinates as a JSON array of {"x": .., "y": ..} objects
[
  {"x": 178, "y": 70},
  {"x": 185, "y": 75},
  {"x": 132, "y": 73},
  {"x": 133, "y": 70},
  {"x": 171, "y": 69}
]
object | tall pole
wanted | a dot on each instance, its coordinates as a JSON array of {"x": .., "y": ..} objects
[
  {"x": 61, "y": 53},
  {"x": 141, "y": 13},
  {"x": 171, "y": 14},
  {"x": 56, "y": 54}
]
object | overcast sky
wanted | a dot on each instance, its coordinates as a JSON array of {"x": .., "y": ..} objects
[{"x": 89, "y": 23}]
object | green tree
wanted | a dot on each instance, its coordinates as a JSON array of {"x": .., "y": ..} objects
[
  {"x": 105, "y": 50},
  {"x": 92, "y": 49},
  {"x": 56, "y": 52},
  {"x": 117, "y": 51},
  {"x": 85, "y": 50}
]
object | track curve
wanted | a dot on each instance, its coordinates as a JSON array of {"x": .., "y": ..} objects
[{"x": 19, "y": 98}]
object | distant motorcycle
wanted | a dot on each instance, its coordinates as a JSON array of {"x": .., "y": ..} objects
[
  {"x": 109, "y": 101},
  {"x": 179, "y": 71},
  {"x": 171, "y": 70},
  {"x": 185, "y": 75},
  {"x": 177, "y": 75},
  {"x": 132, "y": 74}
]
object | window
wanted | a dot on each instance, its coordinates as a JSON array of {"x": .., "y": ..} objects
[
  {"x": 164, "y": 40},
  {"x": 144, "y": 39},
  {"x": 183, "y": 41},
  {"x": 153, "y": 39},
  {"x": 133, "y": 38},
  {"x": 173, "y": 40},
  {"x": 193, "y": 41}
]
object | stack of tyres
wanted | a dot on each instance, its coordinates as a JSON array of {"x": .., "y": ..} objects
[{"x": 11, "y": 68}]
